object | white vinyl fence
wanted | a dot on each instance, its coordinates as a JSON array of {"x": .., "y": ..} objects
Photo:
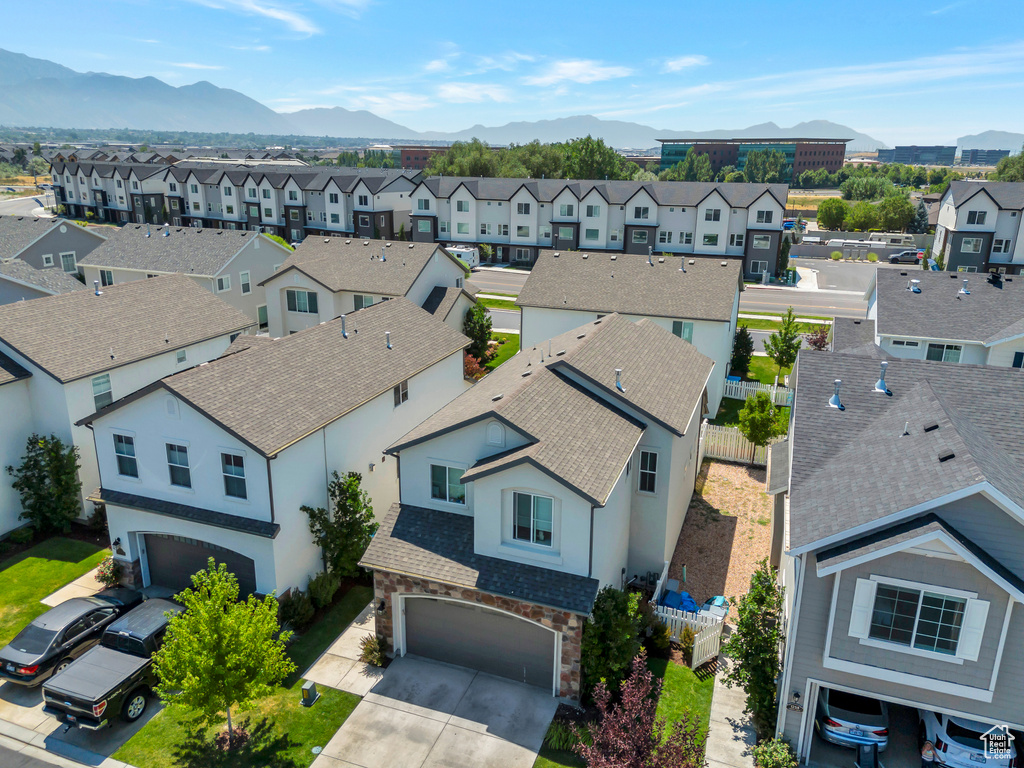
[
  {"x": 729, "y": 444},
  {"x": 741, "y": 390},
  {"x": 708, "y": 628}
]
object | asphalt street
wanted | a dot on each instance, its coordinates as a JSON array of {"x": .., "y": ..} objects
[
  {"x": 505, "y": 281},
  {"x": 11, "y": 759},
  {"x": 504, "y": 319},
  {"x": 23, "y": 206}
]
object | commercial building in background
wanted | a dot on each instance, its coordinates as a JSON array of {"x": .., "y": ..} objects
[
  {"x": 915, "y": 155},
  {"x": 801, "y": 154},
  {"x": 982, "y": 156},
  {"x": 415, "y": 157}
]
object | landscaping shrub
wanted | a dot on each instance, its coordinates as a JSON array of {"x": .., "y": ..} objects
[
  {"x": 98, "y": 519},
  {"x": 471, "y": 367},
  {"x": 322, "y": 588},
  {"x": 837, "y": 255},
  {"x": 564, "y": 736},
  {"x": 22, "y": 535},
  {"x": 742, "y": 351},
  {"x": 296, "y": 609},
  {"x": 610, "y": 639},
  {"x": 872, "y": 257},
  {"x": 109, "y": 572},
  {"x": 47, "y": 481},
  {"x": 774, "y": 753},
  {"x": 372, "y": 649},
  {"x": 687, "y": 638},
  {"x": 657, "y": 636}
]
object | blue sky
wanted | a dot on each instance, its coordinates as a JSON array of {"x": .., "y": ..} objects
[{"x": 902, "y": 70}]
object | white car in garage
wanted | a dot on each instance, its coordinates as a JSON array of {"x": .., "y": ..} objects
[{"x": 960, "y": 742}]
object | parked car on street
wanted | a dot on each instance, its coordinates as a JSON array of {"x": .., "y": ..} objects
[
  {"x": 114, "y": 678},
  {"x": 62, "y": 634},
  {"x": 911, "y": 256},
  {"x": 849, "y": 720},
  {"x": 959, "y": 742}
]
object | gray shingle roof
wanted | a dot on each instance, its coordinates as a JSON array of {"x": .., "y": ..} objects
[
  {"x": 439, "y": 546},
  {"x": 277, "y": 392},
  {"x": 73, "y": 335},
  {"x": 185, "y": 512},
  {"x": 11, "y": 371},
  {"x": 576, "y": 435},
  {"x": 778, "y": 468},
  {"x": 16, "y": 232},
  {"x": 351, "y": 264},
  {"x": 627, "y": 283},
  {"x": 440, "y": 301},
  {"x": 189, "y": 250},
  {"x": 1007, "y": 194},
  {"x": 854, "y": 468},
  {"x": 50, "y": 280},
  {"x": 993, "y": 311}
]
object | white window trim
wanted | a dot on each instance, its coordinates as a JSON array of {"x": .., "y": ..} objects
[
  {"x": 227, "y": 283},
  {"x": 245, "y": 477},
  {"x": 74, "y": 258},
  {"x": 431, "y": 463},
  {"x": 117, "y": 466},
  {"x": 639, "y": 472},
  {"x": 243, "y": 280},
  {"x": 188, "y": 452},
  {"x": 47, "y": 259},
  {"x": 531, "y": 544}
]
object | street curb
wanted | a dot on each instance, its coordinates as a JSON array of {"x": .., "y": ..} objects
[
  {"x": 37, "y": 742},
  {"x": 511, "y": 270}
]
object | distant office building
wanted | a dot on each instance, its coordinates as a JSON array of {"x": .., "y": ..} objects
[
  {"x": 801, "y": 154},
  {"x": 982, "y": 156},
  {"x": 416, "y": 156},
  {"x": 914, "y": 155}
]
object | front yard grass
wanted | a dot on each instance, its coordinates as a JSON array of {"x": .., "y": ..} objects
[
  {"x": 508, "y": 304},
  {"x": 288, "y": 732},
  {"x": 508, "y": 345},
  {"x": 35, "y": 573},
  {"x": 759, "y": 324},
  {"x": 763, "y": 369}
]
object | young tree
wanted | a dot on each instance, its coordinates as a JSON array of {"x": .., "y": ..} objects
[
  {"x": 221, "y": 653},
  {"x": 344, "y": 535},
  {"x": 783, "y": 345},
  {"x": 818, "y": 338},
  {"x": 832, "y": 213},
  {"x": 754, "y": 647},
  {"x": 783, "y": 263},
  {"x": 742, "y": 351},
  {"x": 629, "y": 734},
  {"x": 759, "y": 421},
  {"x": 611, "y": 638},
  {"x": 477, "y": 326},
  {"x": 47, "y": 480}
]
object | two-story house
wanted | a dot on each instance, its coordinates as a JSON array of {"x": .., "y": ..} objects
[
  {"x": 568, "y": 468},
  {"x": 330, "y": 276},
  {"x": 44, "y": 244},
  {"x": 218, "y": 461},
  {"x": 979, "y": 227},
  {"x": 231, "y": 265},
  {"x": 19, "y": 281},
  {"x": 903, "y": 533},
  {"x": 697, "y": 299},
  {"x": 948, "y": 317},
  {"x": 86, "y": 349}
]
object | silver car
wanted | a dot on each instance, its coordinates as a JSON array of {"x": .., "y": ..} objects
[{"x": 850, "y": 720}]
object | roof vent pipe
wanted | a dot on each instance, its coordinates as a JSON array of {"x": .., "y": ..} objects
[
  {"x": 834, "y": 401},
  {"x": 964, "y": 290},
  {"x": 383, "y": 254},
  {"x": 618, "y": 380},
  {"x": 96, "y": 287},
  {"x": 650, "y": 252},
  {"x": 880, "y": 384},
  {"x": 387, "y": 337},
  {"x": 915, "y": 286},
  {"x": 344, "y": 333}
]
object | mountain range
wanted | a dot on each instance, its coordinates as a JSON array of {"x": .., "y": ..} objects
[{"x": 37, "y": 92}]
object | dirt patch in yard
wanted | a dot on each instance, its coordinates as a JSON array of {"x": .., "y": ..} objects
[{"x": 727, "y": 531}]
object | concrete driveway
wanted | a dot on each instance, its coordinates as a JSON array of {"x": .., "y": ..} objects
[{"x": 424, "y": 714}]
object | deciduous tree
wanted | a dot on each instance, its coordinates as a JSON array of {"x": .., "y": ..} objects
[
  {"x": 47, "y": 480},
  {"x": 895, "y": 213},
  {"x": 832, "y": 213},
  {"x": 590, "y": 158},
  {"x": 344, "y": 533},
  {"x": 783, "y": 345},
  {"x": 759, "y": 421},
  {"x": 862, "y": 217}
]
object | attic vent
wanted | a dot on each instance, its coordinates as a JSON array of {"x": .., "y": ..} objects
[
  {"x": 661, "y": 260},
  {"x": 691, "y": 261},
  {"x": 327, "y": 239},
  {"x": 914, "y": 285},
  {"x": 581, "y": 336},
  {"x": 366, "y": 242},
  {"x": 559, "y": 353},
  {"x": 931, "y": 426},
  {"x": 387, "y": 245},
  {"x": 614, "y": 257},
  {"x": 725, "y": 263},
  {"x": 557, "y": 254},
  {"x": 946, "y": 455},
  {"x": 903, "y": 274},
  {"x": 584, "y": 255},
  {"x": 348, "y": 242},
  {"x": 497, "y": 397},
  {"x": 411, "y": 245},
  {"x": 526, "y": 373}
]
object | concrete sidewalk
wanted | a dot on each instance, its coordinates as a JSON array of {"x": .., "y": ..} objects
[
  {"x": 339, "y": 666},
  {"x": 731, "y": 737}
]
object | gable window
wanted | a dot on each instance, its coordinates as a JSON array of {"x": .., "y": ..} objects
[
  {"x": 522, "y": 231},
  {"x": 566, "y": 210},
  {"x": 101, "y": 392},
  {"x": 266, "y": 194},
  {"x": 252, "y": 192},
  {"x": 946, "y": 353},
  {"x": 119, "y": 186},
  {"x": 647, "y": 477},
  {"x": 293, "y": 195},
  {"x": 422, "y": 204},
  {"x": 361, "y": 301},
  {"x": 683, "y": 330},
  {"x": 332, "y": 197},
  {"x": 301, "y": 301},
  {"x": 232, "y": 466},
  {"x": 765, "y": 217},
  {"x": 664, "y": 236},
  {"x": 976, "y": 217},
  {"x": 641, "y": 212},
  {"x": 446, "y": 484},
  {"x": 228, "y": 192},
  {"x": 640, "y": 236},
  {"x": 106, "y": 277},
  {"x": 223, "y": 283},
  {"x": 124, "y": 449},
  {"x": 180, "y": 356},
  {"x": 401, "y": 393},
  {"x": 711, "y": 240},
  {"x": 462, "y": 206},
  {"x": 171, "y": 187},
  {"x": 713, "y": 214},
  {"x": 971, "y": 245},
  {"x": 177, "y": 465},
  {"x": 593, "y": 211},
  {"x": 243, "y": 279},
  {"x": 523, "y": 209},
  {"x": 533, "y": 518},
  {"x": 737, "y": 240},
  {"x": 135, "y": 185},
  {"x": 68, "y": 262}
]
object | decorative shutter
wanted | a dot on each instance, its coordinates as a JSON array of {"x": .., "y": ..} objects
[
  {"x": 972, "y": 630},
  {"x": 863, "y": 605}
]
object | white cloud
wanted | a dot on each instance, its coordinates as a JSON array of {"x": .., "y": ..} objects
[
  {"x": 577, "y": 71},
  {"x": 685, "y": 62},
  {"x": 193, "y": 65},
  {"x": 463, "y": 93},
  {"x": 268, "y": 10},
  {"x": 391, "y": 103},
  {"x": 259, "y": 48},
  {"x": 506, "y": 62},
  {"x": 437, "y": 65}
]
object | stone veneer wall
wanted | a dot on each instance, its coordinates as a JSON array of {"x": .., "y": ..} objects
[{"x": 569, "y": 624}]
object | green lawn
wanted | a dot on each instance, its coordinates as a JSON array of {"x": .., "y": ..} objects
[
  {"x": 35, "y": 573},
  {"x": 285, "y": 731},
  {"x": 498, "y": 304},
  {"x": 729, "y": 413},
  {"x": 763, "y": 369},
  {"x": 505, "y": 351},
  {"x": 755, "y": 324}
]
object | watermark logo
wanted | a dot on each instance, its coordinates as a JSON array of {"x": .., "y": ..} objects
[{"x": 998, "y": 742}]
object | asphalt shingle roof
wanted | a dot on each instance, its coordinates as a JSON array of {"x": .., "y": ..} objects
[
  {"x": 993, "y": 311},
  {"x": 1007, "y": 194},
  {"x": 185, "y": 512},
  {"x": 10, "y": 370},
  {"x": 50, "y": 279},
  {"x": 190, "y": 250},
  {"x": 853, "y": 468},
  {"x": 439, "y": 546},
  {"x": 441, "y": 300},
  {"x": 856, "y": 337},
  {"x": 78, "y": 334},
  {"x": 276, "y": 392},
  {"x": 627, "y": 283},
  {"x": 16, "y": 232}
]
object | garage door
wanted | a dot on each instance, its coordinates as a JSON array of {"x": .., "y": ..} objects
[
  {"x": 173, "y": 559},
  {"x": 477, "y": 637}
]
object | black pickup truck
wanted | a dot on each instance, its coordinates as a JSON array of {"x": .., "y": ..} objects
[{"x": 116, "y": 676}]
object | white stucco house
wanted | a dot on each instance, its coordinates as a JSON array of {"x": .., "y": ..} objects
[
  {"x": 218, "y": 460},
  {"x": 552, "y": 477}
]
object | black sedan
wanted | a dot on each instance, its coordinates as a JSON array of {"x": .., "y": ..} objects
[{"x": 62, "y": 634}]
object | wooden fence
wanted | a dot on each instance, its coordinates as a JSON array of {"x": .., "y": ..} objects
[
  {"x": 741, "y": 390},
  {"x": 728, "y": 444}
]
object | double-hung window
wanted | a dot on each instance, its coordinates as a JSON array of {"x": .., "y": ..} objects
[
  {"x": 485, "y": 228},
  {"x": 683, "y": 330},
  {"x": 686, "y": 238},
  {"x": 523, "y": 209},
  {"x": 232, "y": 466},
  {"x": 446, "y": 484},
  {"x": 946, "y": 353},
  {"x": 647, "y": 476},
  {"x": 246, "y": 284},
  {"x": 401, "y": 393},
  {"x": 736, "y": 240},
  {"x": 101, "y": 391},
  {"x": 1000, "y": 246},
  {"x": 124, "y": 449},
  {"x": 533, "y": 518},
  {"x": 177, "y": 465},
  {"x": 68, "y": 262},
  {"x": 301, "y": 301},
  {"x": 593, "y": 211},
  {"x": 664, "y": 236}
]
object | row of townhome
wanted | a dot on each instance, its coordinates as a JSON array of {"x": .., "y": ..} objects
[
  {"x": 979, "y": 227},
  {"x": 287, "y": 198}
]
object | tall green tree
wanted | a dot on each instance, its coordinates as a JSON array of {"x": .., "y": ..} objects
[
  {"x": 765, "y": 166},
  {"x": 742, "y": 351},
  {"x": 47, "y": 481},
  {"x": 759, "y": 421},
  {"x": 38, "y": 167},
  {"x": 862, "y": 217},
  {"x": 611, "y": 638},
  {"x": 895, "y": 213},
  {"x": 919, "y": 225},
  {"x": 221, "y": 653},
  {"x": 755, "y": 645},
  {"x": 784, "y": 344},
  {"x": 1009, "y": 168},
  {"x": 832, "y": 212},
  {"x": 696, "y": 166},
  {"x": 344, "y": 532},
  {"x": 783, "y": 264},
  {"x": 477, "y": 326},
  {"x": 590, "y": 158}
]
